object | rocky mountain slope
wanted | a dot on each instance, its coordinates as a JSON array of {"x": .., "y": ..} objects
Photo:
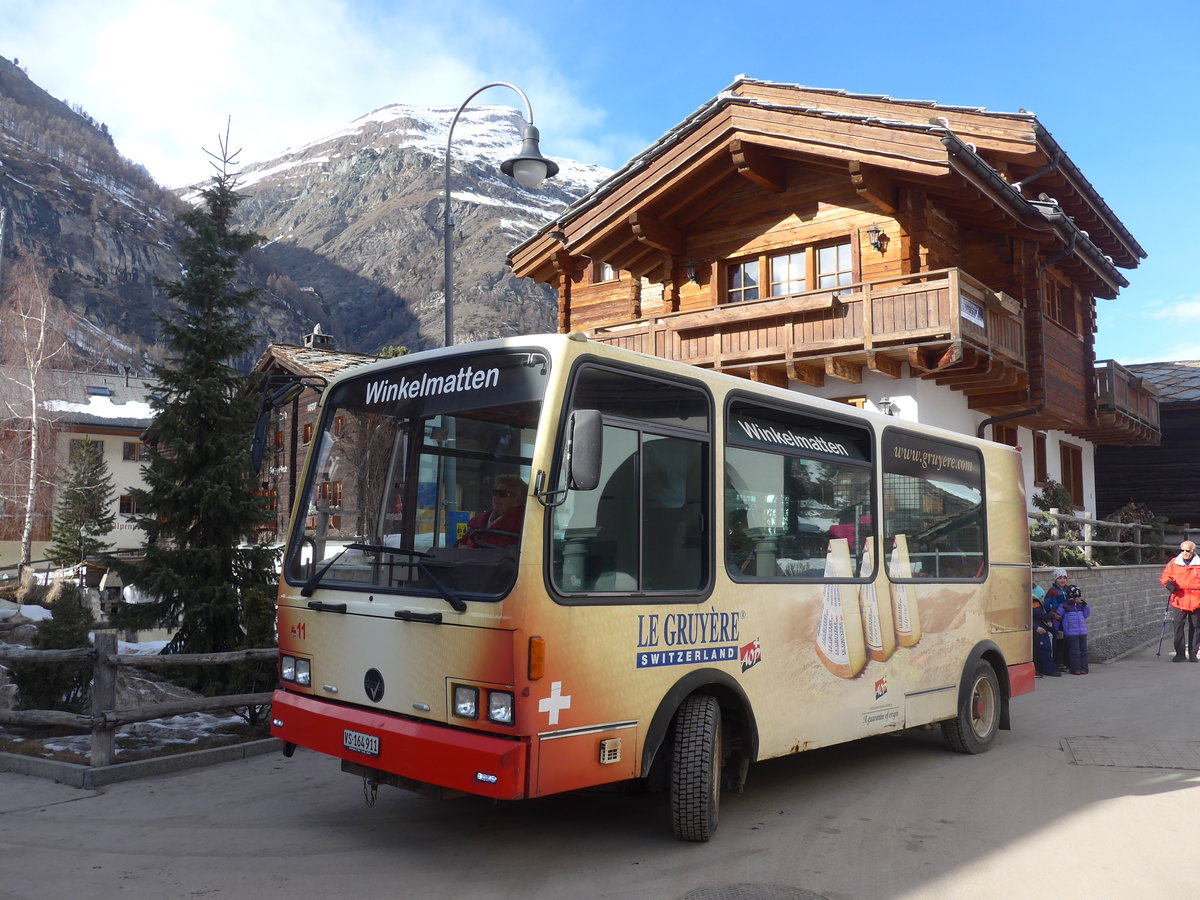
[
  {"x": 357, "y": 217},
  {"x": 353, "y": 222}
]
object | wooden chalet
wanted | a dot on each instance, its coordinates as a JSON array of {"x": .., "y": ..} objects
[
  {"x": 292, "y": 426},
  {"x": 943, "y": 263},
  {"x": 1161, "y": 478}
]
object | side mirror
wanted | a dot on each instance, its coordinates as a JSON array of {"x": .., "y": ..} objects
[{"x": 584, "y": 449}]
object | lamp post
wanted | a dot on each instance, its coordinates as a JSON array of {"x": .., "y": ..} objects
[{"x": 528, "y": 168}]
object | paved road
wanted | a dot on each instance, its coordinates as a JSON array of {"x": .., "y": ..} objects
[{"x": 1083, "y": 799}]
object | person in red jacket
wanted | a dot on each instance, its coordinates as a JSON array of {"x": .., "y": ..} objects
[
  {"x": 1182, "y": 578},
  {"x": 499, "y": 526}
]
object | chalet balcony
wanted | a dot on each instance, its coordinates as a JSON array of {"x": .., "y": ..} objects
[
  {"x": 1126, "y": 408},
  {"x": 948, "y": 326}
]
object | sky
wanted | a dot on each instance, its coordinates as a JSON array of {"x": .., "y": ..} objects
[{"x": 1113, "y": 82}]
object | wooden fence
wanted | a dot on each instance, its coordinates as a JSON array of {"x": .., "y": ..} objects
[
  {"x": 105, "y": 718},
  {"x": 1148, "y": 542}
]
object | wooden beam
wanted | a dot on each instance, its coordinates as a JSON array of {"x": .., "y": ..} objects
[
  {"x": 771, "y": 375},
  {"x": 763, "y": 169},
  {"x": 922, "y": 359},
  {"x": 884, "y": 365},
  {"x": 873, "y": 187},
  {"x": 809, "y": 375},
  {"x": 843, "y": 370},
  {"x": 564, "y": 267},
  {"x": 953, "y": 354},
  {"x": 568, "y": 265},
  {"x": 659, "y": 235},
  {"x": 990, "y": 401}
]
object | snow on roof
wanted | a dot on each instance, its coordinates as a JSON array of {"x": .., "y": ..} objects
[{"x": 103, "y": 408}]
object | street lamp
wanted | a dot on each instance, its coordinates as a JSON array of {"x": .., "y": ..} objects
[{"x": 528, "y": 168}]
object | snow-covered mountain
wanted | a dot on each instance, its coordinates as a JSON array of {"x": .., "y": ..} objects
[
  {"x": 353, "y": 223},
  {"x": 356, "y": 217}
]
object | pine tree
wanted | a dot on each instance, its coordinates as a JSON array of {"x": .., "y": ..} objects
[
  {"x": 198, "y": 505},
  {"x": 84, "y": 514}
]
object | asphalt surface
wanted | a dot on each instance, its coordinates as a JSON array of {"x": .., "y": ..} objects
[{"x": 1093, "y": 794}]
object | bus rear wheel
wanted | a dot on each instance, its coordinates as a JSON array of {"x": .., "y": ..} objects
[
  {"x": 696, "y": 768},
  {"x": 974, "y": 729}
]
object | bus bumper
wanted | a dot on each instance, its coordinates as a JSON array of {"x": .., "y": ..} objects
[
  {"x": 1020, "y": 679},
  {"x": 453, "y": 758}
]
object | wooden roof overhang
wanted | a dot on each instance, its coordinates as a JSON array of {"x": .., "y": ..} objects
[
  {"x": 638, "y": 220},
  {"x": 1016, "y": 143}
]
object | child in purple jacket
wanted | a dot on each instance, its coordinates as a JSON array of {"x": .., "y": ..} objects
[{"x": 1075, "y": 612}]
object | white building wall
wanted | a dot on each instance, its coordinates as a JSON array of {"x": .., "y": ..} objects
[
  {"x": 920, "y": 400},
  {"x": 123, "y": 473}
]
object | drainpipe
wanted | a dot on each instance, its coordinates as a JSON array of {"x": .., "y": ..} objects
[
  {"x": 1053, "y": 164},
  {"x": 993, "y": 420}
]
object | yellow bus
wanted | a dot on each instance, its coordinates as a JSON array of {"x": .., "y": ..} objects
[{"x": 539, "y": 564}]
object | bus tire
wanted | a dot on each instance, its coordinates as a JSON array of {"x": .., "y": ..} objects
[
  {"x": 696, "y": 768},
  {"x": 974, "y": 729}
]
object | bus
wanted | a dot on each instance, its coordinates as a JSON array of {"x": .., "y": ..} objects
[{"x": 539, "y": 564}]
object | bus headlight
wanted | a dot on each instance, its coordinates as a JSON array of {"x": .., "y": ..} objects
[
  {"x": 295, "y": 670},
  {"x": 500, "y": 707},
  {"x": 466, "y": 702}
]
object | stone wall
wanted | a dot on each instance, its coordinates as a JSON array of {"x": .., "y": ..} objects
[{"x": 1127, "y": 606}]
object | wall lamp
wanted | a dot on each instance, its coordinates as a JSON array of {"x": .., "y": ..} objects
[
  {"x": 692, "y": 274},
  {"x": 877, "y": 238},
  {"x": 887, "y": 406}
]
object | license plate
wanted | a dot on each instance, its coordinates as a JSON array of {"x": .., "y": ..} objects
[{"x": 367, "y": 744}]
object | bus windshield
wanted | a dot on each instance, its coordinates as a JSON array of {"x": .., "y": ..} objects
[{"x": 419, "y": 478}]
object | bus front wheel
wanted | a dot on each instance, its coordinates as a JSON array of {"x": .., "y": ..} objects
[
  {"x": 974, "y": 729},
  {"x": 696, "y": 768}
]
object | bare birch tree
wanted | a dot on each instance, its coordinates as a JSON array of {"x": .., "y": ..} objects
[{"x": 33, "y": 322}]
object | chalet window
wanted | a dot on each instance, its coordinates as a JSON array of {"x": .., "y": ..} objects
[
  {"x": 76, "y": 446},
  {"x": 268, "y": 500},
  {"x": 743, "y": 281},
  {"x": 339, "y": 425},
  {"x": 1060, "y": 303},
  {"x": 603, "y": 271},
  {"x": 329, "y": 495},
  {"x": 308, "y": 431},
  {"x": 1005, "y": 434},
  {"x": 133, "y": 451},
  {"x": 278, "y": 442},
  {"x": 789, "y": 274},
  {"x": 127, "y": 506},
  {"x": 794, "y": 272},
  {"x": 1041, "y": 472},
  {"x": 1071, "y": 458},
  {"x": 330, "y": 492},
  {"x": 835, "y": 265}
]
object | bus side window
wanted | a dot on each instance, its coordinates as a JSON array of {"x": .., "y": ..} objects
[
  {"x": 933, "y": 508},
  {"x": 794, "y": 483}
]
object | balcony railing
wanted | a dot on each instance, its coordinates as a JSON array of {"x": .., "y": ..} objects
[
  {"x": 1126, "y": 407},
  {"x": 947, "y": 325}
]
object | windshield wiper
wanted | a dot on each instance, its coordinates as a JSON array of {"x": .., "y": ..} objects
[
  {"x": 448, "y": 593},
  {"x": 315, "y": 578}
]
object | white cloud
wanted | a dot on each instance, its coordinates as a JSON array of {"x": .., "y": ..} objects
[
  {"x": 1184, "y": 311},
  {"x": 165, "y": 75}
]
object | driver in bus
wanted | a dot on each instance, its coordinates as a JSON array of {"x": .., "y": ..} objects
[{"x": 499, "y": 526}]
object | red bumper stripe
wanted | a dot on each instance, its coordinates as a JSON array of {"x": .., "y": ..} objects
[
  {"x": 434, "y": 754},
  {"x": 1020, "y": 679}
]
